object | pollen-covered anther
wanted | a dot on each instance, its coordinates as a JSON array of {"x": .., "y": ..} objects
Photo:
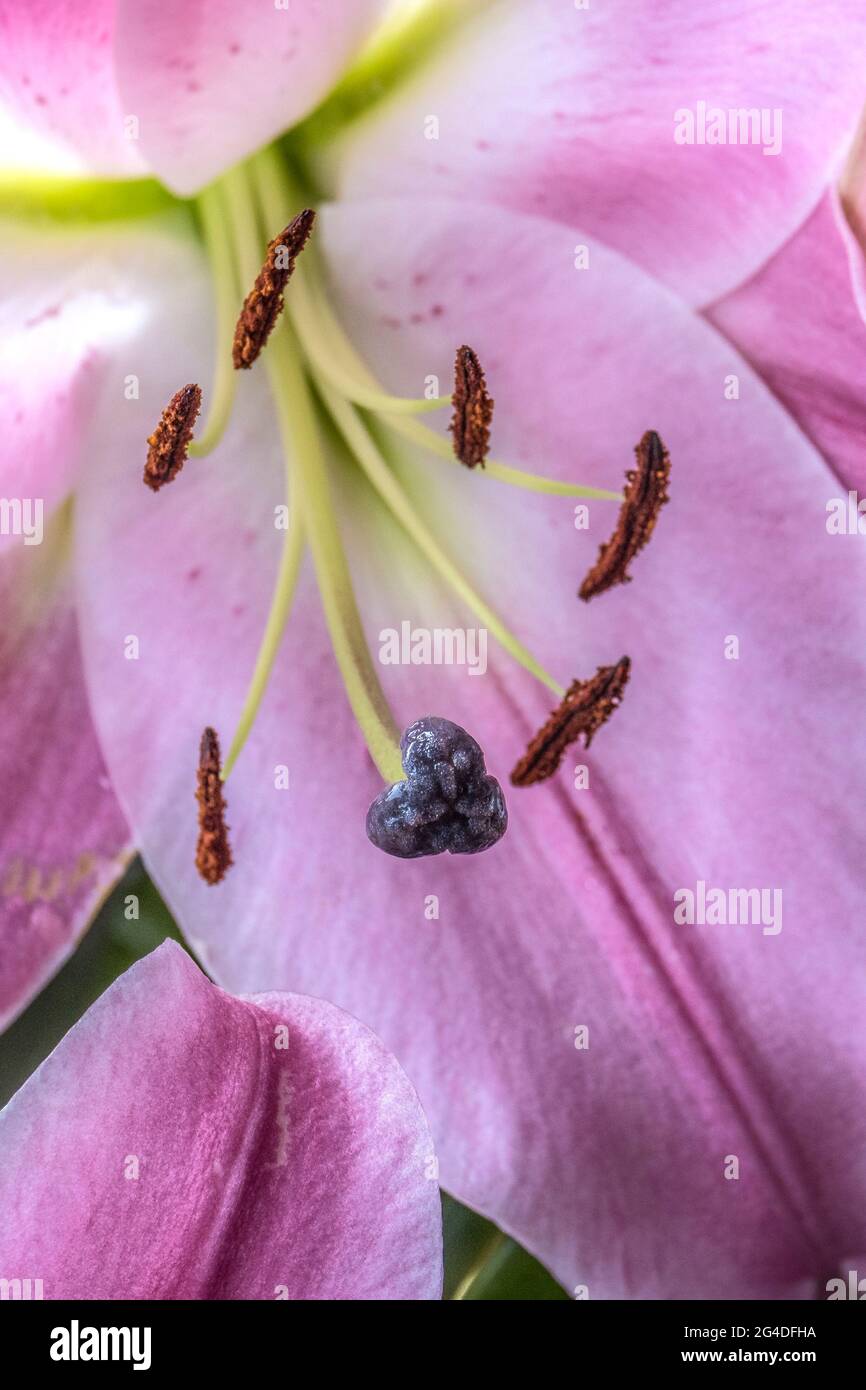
[
  {"x": 264, "y": 303},
  {"x": 645, "y": 494},
  {"x": 448, "y": 800},
  {"x": 473, "y": 410},
  {"x": 167, "y": 446},
  {"x": 586, "y": 705},
  {"x": 213, "y": 856}
]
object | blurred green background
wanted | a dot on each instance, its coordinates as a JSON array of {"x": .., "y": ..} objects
[{"x": 480, "y": 1262}]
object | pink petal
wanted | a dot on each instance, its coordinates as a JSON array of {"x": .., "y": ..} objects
[
  {"x": 57, "y": 76},
  {"x": 800, "y": 322},
  {"x": 192, "y": 1145},
  {"x": 212, "y": 80},
  {"x": 71, "y": 340},
  {"x": 705, "y": 1041},
  {"x": 570, "y": 113},
  {"x": 73, "y": 344},
  {"x": 63, "y": 840}
]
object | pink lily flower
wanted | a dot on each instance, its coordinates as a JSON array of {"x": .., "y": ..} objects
[
  {"x": 213, "y": 1147},
  {"x": 657, "y": 1107}
]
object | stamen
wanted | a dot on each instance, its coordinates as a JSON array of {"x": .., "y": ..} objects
[
  {"x": 169, "y": 442},
  {"x": 384, "y": 480},
  {"x": 213, "y": 856},
  {"x": 221, "y": 255},
  {"x": 587, "y": 705},
  {"x": 301, "y": 440},
  {"x": 263, "y": 305},
  {"x": 297, "y": 423},
  {"x": 330, "y": 352},
  {"x": 473, "y": 410},
  {"x": 645, "y": 495},
  {"x": 447, "y": 800}
]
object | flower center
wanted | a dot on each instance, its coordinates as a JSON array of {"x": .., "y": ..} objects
[{"x": 314, "y": 370}]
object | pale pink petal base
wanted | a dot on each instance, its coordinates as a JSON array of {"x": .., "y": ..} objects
[
  {"x": 180, "y": 1143},
  {"x": 76, "y": 305},
  {"x": 57, "y": 75}
]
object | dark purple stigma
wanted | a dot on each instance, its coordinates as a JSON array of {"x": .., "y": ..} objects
[{"x": 448, "y": 800}]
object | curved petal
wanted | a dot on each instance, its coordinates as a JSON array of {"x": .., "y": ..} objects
[
  {"x": 212, "y": 80},
  {"x": 706, "y": 1043},
  {"x": 200, "y": 1146},
  {"x": 810, "y": 348},
  {"x": 63, "y": 839},
  {"x": 74, "y": 305},
  {"x": 57, "y": 77},
  {"x": 72, "y": 342},
  {"x": 570, "y": 112}
]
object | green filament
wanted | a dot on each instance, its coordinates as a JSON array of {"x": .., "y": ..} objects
[{"x": 220, "y": 254}]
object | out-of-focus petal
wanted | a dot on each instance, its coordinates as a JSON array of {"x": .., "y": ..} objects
[
  {"x": 609, "y": 1161},
  {"x": 571, "y": 113},
  {"x": 57, "y": 76},
  {"x": 78, "y": 336},
  {"x": 63, "y": 839},
  {"x": 212, "y": 80},
  {"x": 76, "y": 306},
  {"x": 192, "y": 1145}
]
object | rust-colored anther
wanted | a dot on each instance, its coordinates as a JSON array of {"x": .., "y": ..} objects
[
  {"x": 213, "y": 856},
  {"x": 585, "y": 707},
  {"x": 645, "y": 494},
  {"x": 264, "y": 303},
  {"x": 169, "y": 442},
  {"x": 473, "y": 410}
]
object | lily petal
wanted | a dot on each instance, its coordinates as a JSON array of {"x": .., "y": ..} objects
[
  {"x": 200, "y": 1146},
  {"x": 810, "y": 348},
  {"x": 212, "y": 80},
  {"x": 570, "y": 112},
  {"x": 57, "y": 77},
  {"x": 706, "y": 1042},
  {"x": 63, "y": 839},
  {"x": 75, "y": 313},
  {"x": 74, "y": 307}
]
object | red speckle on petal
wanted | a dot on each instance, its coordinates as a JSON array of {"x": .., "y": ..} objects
[
  {"x": 50, "y": 313},
  {"x": 437, "y": 311},
  {"x": 234, "y": 48}
]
